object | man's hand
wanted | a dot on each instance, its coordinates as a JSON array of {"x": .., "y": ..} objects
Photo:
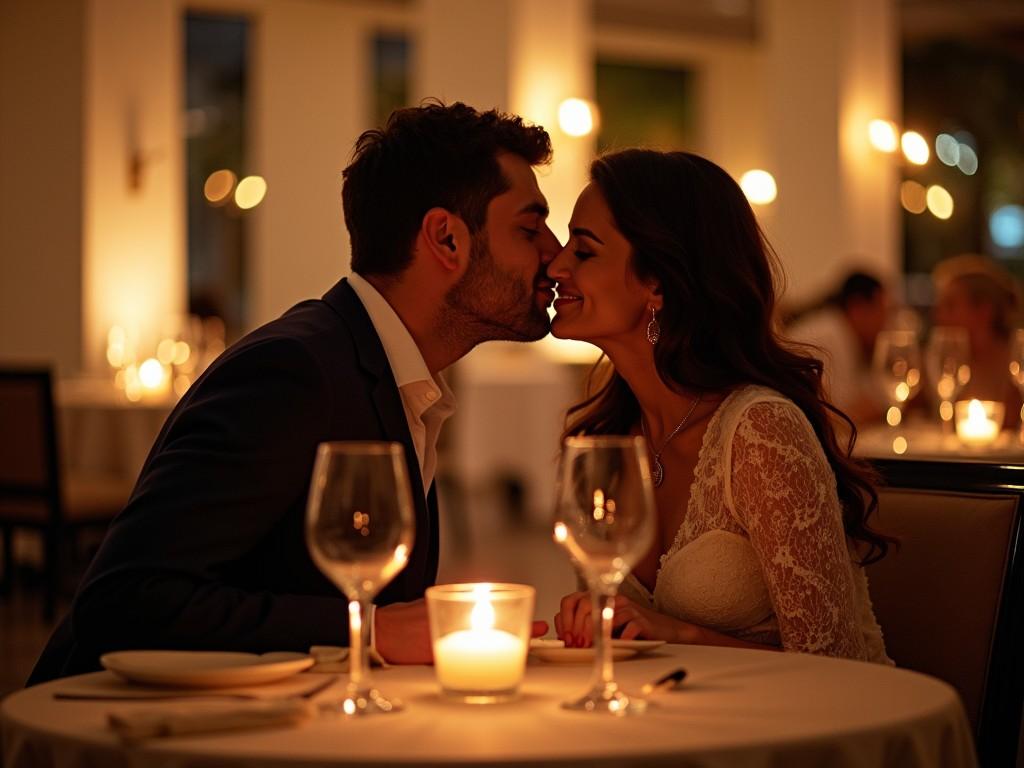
[{"x": 402, "y": 633}]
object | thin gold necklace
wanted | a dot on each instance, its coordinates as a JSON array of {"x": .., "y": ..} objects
[{"x": 657, "y": 470}]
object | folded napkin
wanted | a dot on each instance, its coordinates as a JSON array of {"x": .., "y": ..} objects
[
  {"x": 334, "y": 658},
  {"x": 139, "y": 725}
]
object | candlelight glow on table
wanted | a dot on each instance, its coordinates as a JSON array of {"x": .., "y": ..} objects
[
  {"x": 480, "y": 635},
  {"x": 978, "y": 421}
]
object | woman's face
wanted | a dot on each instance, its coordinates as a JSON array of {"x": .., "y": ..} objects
[
  {"x": 600, "y": 299},
  {"x": 954, "y": 307}
]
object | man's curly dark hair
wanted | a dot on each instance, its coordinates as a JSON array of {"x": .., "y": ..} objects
[{"x": 431, "y": 156}]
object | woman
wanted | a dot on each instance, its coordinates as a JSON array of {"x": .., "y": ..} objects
[
  {"x": 975, "y": 293},
  {"x": 762, "y": 516}
]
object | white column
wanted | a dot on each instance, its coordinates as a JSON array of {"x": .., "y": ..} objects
[
  {"x": 134, "y": 259},
  {"x": 523, "y": 56},
  {"x": 310, "y": 100},
  {"x": 830, "y": 67}
]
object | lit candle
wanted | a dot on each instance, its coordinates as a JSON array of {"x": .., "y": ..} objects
[
  {"x": 481, "y": 662},
  {"x": 978, "y": 422},
  {"x": 154, "y": 378}
]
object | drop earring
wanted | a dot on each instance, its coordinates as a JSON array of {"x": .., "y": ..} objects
[{"x": 653, "y": 329}]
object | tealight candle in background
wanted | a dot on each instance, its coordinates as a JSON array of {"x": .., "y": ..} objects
[
  {"x": 978, "y": 421},
  {"x": 481, "y": 635}
]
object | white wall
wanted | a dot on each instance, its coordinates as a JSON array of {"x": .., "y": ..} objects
[
  {"x": 309, "y": 99},
  {"x": 793, "y": 103},
  {"x": 133, "y": 258},
  {"x": 41, "y": 49},
  {"x": 308, "y": 106},
  {"x": 830, "y": 67}
]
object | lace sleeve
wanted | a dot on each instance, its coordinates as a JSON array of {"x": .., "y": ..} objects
[{"x": 783, "y": 493}]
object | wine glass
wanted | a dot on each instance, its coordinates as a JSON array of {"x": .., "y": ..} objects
[
  {"x": 1017, "y": 367},
  {"x": 359, "y": 529},
  {"x": 897, "y": 363},
  {"x": 947, "y": 363},
  {"x": 605, "y": 518}
]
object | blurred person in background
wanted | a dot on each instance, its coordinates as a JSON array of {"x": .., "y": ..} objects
[
  {"x": 975, "y": 293},
  {"x": 843, "y": 331}
]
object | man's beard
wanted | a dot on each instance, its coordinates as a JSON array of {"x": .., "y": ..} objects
[{"x": 490, "y": 304}]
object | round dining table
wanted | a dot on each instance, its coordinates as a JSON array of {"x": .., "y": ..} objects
[{"x": 735, "y": 707}]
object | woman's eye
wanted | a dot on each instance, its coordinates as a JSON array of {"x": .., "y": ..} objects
[{"x": 582, "y": 255}]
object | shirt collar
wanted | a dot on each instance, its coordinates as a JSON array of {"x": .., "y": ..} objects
[{"x": 405, "y": 358}]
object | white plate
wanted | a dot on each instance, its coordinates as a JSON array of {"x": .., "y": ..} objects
[
  {"x": 204, "y": 669},
  {"x": 555, "y": 650}
]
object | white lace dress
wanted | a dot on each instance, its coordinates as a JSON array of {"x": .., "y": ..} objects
[{"x": 761, "y": 554}]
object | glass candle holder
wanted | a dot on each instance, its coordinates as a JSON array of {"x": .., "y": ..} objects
[
  {"x": 480, "y": 635},
  {"x": 978, "y": 421}
]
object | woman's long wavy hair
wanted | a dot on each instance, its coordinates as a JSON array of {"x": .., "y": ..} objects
[{"x": 693, "y": 232}]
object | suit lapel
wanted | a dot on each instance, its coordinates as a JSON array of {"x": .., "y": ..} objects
[{"x": 387, "y": 402}]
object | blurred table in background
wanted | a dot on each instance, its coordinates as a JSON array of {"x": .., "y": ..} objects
[
  {"x": 511, "y": 411},
  {"x": 924, "y": 440},
  {"x": 102, "y": 432}
]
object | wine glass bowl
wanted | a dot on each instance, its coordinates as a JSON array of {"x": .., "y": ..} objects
[
  {"x": 360, "y": 527},
  {"x": 947, "y": 365},
  {"x": 897, "y": 364},
  {"x": 605, "y": 518}
]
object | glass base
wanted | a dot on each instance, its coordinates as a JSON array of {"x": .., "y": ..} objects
[
  {"x": 362, "y": 703},
  {"x": 609, "y": 700},
  {"x": 480, "y": 697}
]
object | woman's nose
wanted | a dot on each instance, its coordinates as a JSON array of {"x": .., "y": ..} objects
[{"x": 558, "y": 269}]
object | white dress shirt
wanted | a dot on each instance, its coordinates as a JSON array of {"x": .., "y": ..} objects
[{"x": 427, "y": 400}]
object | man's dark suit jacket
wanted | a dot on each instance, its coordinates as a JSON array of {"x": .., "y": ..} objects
[{"x": 210, "y": 552}]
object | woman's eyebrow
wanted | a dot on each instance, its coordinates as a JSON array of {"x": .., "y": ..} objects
[{"x": 583, "y": 232}]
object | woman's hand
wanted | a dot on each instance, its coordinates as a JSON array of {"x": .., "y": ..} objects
[{"x": 574, "y": 622}]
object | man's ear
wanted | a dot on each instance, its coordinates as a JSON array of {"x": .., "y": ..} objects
[{"x": 445, "y": 238}]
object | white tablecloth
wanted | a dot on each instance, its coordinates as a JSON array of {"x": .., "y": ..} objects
[
  {"x": 927, "y": 441},
  {"x": 737, "y": 708},
  {"x": 102, "y": 432}
]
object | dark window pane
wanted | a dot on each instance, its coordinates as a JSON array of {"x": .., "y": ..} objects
[
  {"x": 390, "y": 75},
  {"x": 646, "y": 106},
  {"x": 215, "y": 93}
]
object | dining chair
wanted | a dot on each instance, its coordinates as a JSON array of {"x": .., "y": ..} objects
[
  {"x": 34, "y": 494},
  {"x": 950, "y": 599}
]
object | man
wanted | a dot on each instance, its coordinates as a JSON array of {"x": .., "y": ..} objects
[
  {"x": 844, "y": 331},
  {"x": 449, "y": 249}
]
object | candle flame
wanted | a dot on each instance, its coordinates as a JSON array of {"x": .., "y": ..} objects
[
  {"x": 561, "y": 533},
  {"x": 482, "y": 617},
  {"x": 976, "y": 411}
]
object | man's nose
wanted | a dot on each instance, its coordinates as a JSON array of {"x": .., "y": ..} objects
[{"x": 549, "y": 247}]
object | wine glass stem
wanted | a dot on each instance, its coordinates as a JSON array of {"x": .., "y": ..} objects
[
  {"x": 359, "y": 669},
  {"x": 604, "y": 610}
]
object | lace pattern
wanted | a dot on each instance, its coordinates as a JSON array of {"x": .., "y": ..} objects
[{"x": 779, "y": 493}]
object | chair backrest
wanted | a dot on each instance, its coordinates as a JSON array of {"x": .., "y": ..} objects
[
  {"x": 950, "y": 599},
  {"x": 28, "y": 443}
]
